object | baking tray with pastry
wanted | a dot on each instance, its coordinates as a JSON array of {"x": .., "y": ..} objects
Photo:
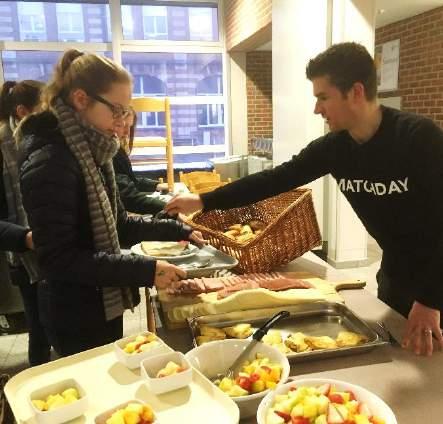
[{"x": 313, "y": 330}]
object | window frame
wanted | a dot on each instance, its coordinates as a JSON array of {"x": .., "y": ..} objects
[{"x": 118, "y": 44}]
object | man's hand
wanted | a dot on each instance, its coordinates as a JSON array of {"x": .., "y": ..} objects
[
  {"x": 423, "y": 324},
  {"x": 197, "y": 238},
  {"x": 29, "y": 243},
  {"x": 184, "y": 203},
  {"x": 166, "y": 273}
]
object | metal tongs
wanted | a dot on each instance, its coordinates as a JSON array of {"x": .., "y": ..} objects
[{"x": 256, "y": 338}]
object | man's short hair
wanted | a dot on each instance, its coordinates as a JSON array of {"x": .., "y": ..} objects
[{"x": 345, "y": 64}]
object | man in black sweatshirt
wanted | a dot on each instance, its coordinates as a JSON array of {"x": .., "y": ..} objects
[{"x": 388, "y": 164}]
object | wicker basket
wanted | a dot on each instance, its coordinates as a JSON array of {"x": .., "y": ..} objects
[{"x": 291, "y": 230}]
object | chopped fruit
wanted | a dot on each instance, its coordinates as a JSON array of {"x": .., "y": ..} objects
[
  {"x": 171, "y": 368},
  {"x": 336, "y": 398},
  {"x": 141, "y": 343},
  {"x": 361, "y": 419},
  {"x": 133, "y": 413},
  {"x": 363, "y": 409},
  {"x": 284, "y": 415},
  {"x": 258, "y": 386},
  {"x": 334, "y": 416},
  {"x": 319, "y": 405},
  {"x": 255, "y": 377},
  {"x": 40, "y": 405},
  {"x": 300, "y": 420},
  {"x": 57, "y": 400}
]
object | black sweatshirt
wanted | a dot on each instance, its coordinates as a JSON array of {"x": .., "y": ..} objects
[{"x": 394, "y": 182}]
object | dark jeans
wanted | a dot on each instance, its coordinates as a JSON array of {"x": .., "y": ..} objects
[
  {"x": 39, "y": 348},
  {"x": 67, "y": 341}
]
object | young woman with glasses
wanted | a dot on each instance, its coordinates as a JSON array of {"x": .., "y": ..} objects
[{"x": 79, "y": 224}]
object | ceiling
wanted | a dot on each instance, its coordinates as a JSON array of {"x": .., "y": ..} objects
[
  {"x": 397, "y": 10},
  {"x": 389, "y": 11}
]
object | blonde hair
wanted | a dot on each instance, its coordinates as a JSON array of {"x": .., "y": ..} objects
[{"x": 87, "y": 71}]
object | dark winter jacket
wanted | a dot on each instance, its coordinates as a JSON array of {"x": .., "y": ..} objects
[
  {"x": 55, "y": 200},
  {"x": 12, "y": 237},
  {"x": 134, "y": 190}
]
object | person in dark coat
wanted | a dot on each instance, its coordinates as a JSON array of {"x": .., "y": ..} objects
[
  {"x": 134, "y": 190},
  {"x": 78, "y": 221},
  {"x": 17, "y": 100}
]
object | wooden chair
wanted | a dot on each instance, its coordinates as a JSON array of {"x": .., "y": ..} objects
[{"x": 157, "y": 104}]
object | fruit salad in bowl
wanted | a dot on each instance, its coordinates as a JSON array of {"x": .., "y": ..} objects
[
  {"x": 323, "y": 401},
  {"x": 265, "y": 369}
]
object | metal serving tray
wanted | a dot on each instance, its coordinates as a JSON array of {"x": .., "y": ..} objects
[
  {"x": 313, "y": 318},
  {"x": 206, "y": 262}
]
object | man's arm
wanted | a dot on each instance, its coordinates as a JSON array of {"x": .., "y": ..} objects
[
  {"x": 311, "y": 163},
  {"x": 424, "y": 317}
]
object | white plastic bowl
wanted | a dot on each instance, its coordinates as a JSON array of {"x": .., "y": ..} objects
[
  {"x": 151, "y": 366},
  {"x": 132, "y": 360},
  {"x": 101, "y": 419},
  {"x": 216, "y": 357},
  {"x": 376, "y": 405},
  {"x": 63, "y": 413}
]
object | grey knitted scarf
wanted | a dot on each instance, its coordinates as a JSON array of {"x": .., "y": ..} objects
[{"x": 94, "y": 152}]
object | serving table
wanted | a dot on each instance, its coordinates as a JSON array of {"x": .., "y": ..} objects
[{"x": 411, "y": 385}]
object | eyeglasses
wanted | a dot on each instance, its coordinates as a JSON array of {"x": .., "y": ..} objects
[{"x": 118, "y": 111}]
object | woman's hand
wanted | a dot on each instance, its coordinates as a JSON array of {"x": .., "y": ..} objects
[
  {"x": 166, "y": 273},
  {"x": 29, "y": 243},
  {"x": 197, "y": 238}
]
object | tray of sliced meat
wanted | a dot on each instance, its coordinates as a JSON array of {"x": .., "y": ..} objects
[
  {"x": 203, "y": 296},
  {"x": 312, "y": 330}
]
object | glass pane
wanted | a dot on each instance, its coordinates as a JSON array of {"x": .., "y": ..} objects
[
  {"x": 200, "y": 23},
  {"x": 176, "y": 23},
  {"x": 36, "y": 65},
  {"x": 193, "y": 142},
  {"x": 175, "y": 74},
  {"x": 51, "y": 21}
]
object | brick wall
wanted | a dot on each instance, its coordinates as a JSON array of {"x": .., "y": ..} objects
[
  {"x": 245, "y": 19},
  {"x": 259, "y": 92},
  {"x": 421, "y": 62}
]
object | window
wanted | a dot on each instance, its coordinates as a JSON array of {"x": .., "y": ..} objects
[
  {"x": 211, "y": 115},
  {"x": 70, "y": 22},
  {"x": 194, "y": 83},
  {"x": 174, "y": 22},
  {"x": 26, "y": 64},
  {"x": 36, "y": 65},
  {"x": 155, "y": 22},
  {"x": 201, "y": 23},
  {"x": 79, "y": 21},
  {"x": 31, "y": 20},
  {"x": 159, "y": 66}
]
